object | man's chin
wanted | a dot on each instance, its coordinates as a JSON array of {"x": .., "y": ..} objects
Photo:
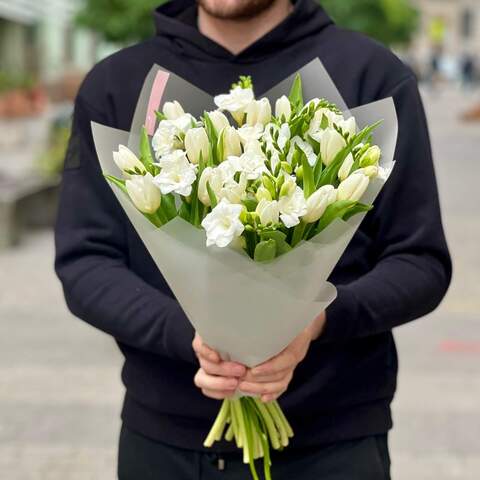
[{"x": 235, "y": 9}]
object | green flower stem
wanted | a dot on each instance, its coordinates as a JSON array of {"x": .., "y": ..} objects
[
  {"x": 284, "y": 419},
  {"x": 248, "y": 452},
  {"x": 269, "y": 423},
  {"x": 229, "y": 434},
  {"x": 218, "y": 425},
  {"x": 261, "y": 428},
  {"x": 298, "y": 232},
  {"x": 278, "y": 423}
]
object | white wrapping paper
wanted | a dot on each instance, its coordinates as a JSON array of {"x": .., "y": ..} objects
[{"x": 248, "y": 311}]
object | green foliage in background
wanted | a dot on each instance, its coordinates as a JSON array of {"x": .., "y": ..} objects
[
  {"x": 50, "y": 162},
  {"x": 392, "y": 22},
  {"x": 12, "y": 81},
  {"x": 121, "y": 21},
  {"x": 125, "y": 21}
]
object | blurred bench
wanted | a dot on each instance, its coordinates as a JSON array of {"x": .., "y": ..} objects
[{"x": 25, "y": 202}]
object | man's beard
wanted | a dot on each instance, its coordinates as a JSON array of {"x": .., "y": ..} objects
[{"x": 235, "y": 9}]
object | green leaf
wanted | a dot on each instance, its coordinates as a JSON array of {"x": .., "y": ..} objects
[
  {"x": 333, "y": 211},
  {"x": 265, "y": 251},
  {"x": 168, "y": 206},
  {"x": 185, "y": 211},
  {"x": 280, "y": 240},
  {"x": 220, "y": 148},
  {"x": 211, "y": 195},
  {"x": 358, "y": 208},
  {"x": 160, "y": 116},
  {"x": 308, "y": 177},
  {"x": 325, "y": 122},
  {"x": 145, "y": 151},
  {"x": 296, "y": 93},
  {"x": 118, "y": 182},
  {"x": 250, "y": 204}
]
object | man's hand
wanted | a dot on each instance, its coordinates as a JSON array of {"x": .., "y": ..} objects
[
  {"x": 217, "y": 379},
  {"x": 271, "y": 379}
]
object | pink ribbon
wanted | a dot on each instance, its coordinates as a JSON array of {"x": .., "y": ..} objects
[{"x": 156, "y": 95}]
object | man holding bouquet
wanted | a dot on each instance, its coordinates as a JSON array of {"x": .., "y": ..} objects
[{"x": 337, "y": 378}]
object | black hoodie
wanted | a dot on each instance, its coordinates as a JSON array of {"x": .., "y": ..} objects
[{"x": 396, "y": 269}]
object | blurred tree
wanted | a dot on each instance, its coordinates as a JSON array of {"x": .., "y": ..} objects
[{"x": 390, "y": 21}]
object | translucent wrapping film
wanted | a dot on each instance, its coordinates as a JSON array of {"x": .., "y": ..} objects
[{"x": 246, "y": 310}]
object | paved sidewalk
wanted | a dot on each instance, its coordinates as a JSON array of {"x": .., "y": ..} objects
[{"x": 60, "y": 391}]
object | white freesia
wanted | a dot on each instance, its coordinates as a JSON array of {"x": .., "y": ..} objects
[
  {"x": 258, "y": 112},
  {"x": 170, "y": 133},
  {"x": 268, "y": 211},
  {"x": 177, "y": 174},
  {"x": 353, "y": 187},
  {"x": 280, "y": 135},
  {"x": 219, "y": 120},
  {"x": 143, "y": 193},
  {"x": 346, "y": 167},
  {"x": 306, "y": 148},
  {"x": 292, "y": 207},
  {"x": 318, "y": 202},
  {"x": 126, "y": 161},
  {"x": 235, "y": 102},
  {"x": 248, "y": 133},
  {"x": 348, "y": 126},
  {"x": 318, "y": 118},
  {"x": 283, "y": 108},
  {"x": 331, "y": 142},
  {"x": 231, "y": 142},
  {"x": 173, "y": 110},
  {"x": 196, "y": 143},
  {"x": 222, "y": 225},
  {"x": 251, "y": 162}
]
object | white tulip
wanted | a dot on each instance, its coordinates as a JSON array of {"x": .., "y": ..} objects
[
  {"x": 268, "y": 211},
  {"x": 371, "y": 156},
  {"x": 231, "y": 142},
  {"x": 143, "y": 193},
  {"x": 346, "y": 167},
  {"x": 126, "y": 160},
  {"x": 177, "y": 174},
  {"x": 353, "y": 187},
  {"x": 371, "y": 171},
  {"x": 206, "y": 176},
  {"x": 222, "y": 183},
  {"x": 259, "y": 112},
  {"x": 283, "y": 108},
  {"x": 318, "y": 202},
  {"x": 331, "y": 142},
  {"x": 223, "y": 224},
  {"x": 292, "y": 207},
  {"x": 173, "y": 110},
  {"x": 196, "y": 143},
  {"x": 219, "y": 120}
]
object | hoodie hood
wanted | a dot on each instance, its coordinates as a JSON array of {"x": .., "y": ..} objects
[{"x": 177, "y": 22}]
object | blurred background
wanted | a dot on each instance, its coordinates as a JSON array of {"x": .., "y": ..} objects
[{"x": 60, "y": 391}]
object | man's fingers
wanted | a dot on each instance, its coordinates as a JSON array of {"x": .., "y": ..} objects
[
  {"x": 218, "y": 394},
  {"x": 223, "y": 369},
  {"x": 283, "y": 361},
  {"x": 204, "y": 351},
  {"x": 210, "y": 382},
  {"x": 262, "y": 389},
  {"x": 274, "y": 377}
]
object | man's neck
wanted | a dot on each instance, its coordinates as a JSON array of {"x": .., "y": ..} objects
[{"x": 237, "y": 35}]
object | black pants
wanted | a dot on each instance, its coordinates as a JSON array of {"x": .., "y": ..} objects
[{"x": 144, "y": 459}]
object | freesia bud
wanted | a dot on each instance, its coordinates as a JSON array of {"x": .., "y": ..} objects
[
  {"x": 263, "y": 194},
  {"x": 268, "y": 211},
  {"x": 331, "y": 142},
  {"x": 173, "y": 110},
  {"x": 219, "y": 120},
  {"x": 231, "y": 143},
  {"x": 283, "y": 108},
  {"x": 346, "y": 167},
  {"x": 143, "y": 193},
  {"x": 371, "y": 157},
  {"x": 126, "y": 161},
  {"x": 353, "y": 187},
  {"x": 371, "y": 171},
  {"x": 196, "y": 143},
  {"x": 259, "y": 112},
  {"x": 348, "y": 126},
  {"x": 318, "y": 202}
]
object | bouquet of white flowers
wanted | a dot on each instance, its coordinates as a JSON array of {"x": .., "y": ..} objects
[{"x": 212, "y": 192}]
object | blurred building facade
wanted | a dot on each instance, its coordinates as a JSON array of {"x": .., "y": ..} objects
[
  {"x": 448, "y": 28},
  {"x": 39, "y": 37}
]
